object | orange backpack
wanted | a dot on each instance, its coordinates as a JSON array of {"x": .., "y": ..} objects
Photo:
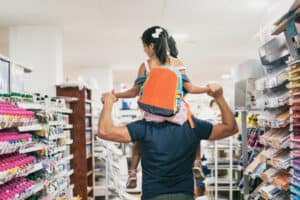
[{"x": 162, "y": 93}]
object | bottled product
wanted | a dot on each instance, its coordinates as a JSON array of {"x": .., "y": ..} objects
[
  {"x": 13, "y": 116},
  {"x": 12, "y": 141}
]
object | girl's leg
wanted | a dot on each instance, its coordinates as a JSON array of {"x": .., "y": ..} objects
[
  {"x": 136, "y": 155},
  {"x": 197, "y": 169}
]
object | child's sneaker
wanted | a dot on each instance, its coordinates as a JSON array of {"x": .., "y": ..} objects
[
  {"x": 197, "y": 170},
  {"x": 132, "y": 180}
]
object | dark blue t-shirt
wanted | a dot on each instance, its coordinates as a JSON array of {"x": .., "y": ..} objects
[{"x": 168, "y": 152}]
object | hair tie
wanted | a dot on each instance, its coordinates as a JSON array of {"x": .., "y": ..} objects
[{"x": 157, "y": 33}]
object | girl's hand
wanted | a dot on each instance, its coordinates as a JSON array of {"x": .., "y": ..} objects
[
  {"x": 107, "y": 93},
  {"x": 216, "y": 91},
  {"x": 109, "y": 98},
  {"x": 207, "y": 90}
]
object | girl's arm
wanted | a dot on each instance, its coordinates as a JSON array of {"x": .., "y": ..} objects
[
  {"x": 134, "y": 91},
  {"x": 193, "y": 89},
  {"x": 131, "y": 93},
  {"x": 189, "y": 87}
]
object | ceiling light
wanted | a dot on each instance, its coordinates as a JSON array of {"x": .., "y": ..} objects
[
  {"x": 259, "y": 4},
  {"x": 226, "y": 76}
]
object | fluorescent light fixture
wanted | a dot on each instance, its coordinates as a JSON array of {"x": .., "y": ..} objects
[
  {"x": 180, "y": 36},
  {"x": 258, "y": 4},
  {"x": 226, "y": 76}
]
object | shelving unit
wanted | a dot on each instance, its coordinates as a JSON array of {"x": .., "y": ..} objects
[
  {"x": 82, "y": 147},
  {"x": 46, "y": 150},
  {"x": 274, "y": 164},
  {"x": 225, "y": 174},
  {"x": 45, "y": 155},
  {"x": 111, "y": 159}
]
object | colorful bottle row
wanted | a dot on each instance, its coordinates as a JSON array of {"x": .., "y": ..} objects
[
  {"x": 11, "y": 142},
  {"x": 13, "y": 116},
  {"x": 15, "y": 165},
  {"x": 16, "y": 97},
  {"x": 16, "y": 189}
]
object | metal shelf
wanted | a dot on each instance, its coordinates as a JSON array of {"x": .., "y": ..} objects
[
  {"x": 30, "y": 128},
  {"x": 30, "y": 106},
  {"x": 33, "y": 148},
  {"x": 68, "y": 126},
  {"x": 64, "y": 160},
  {"x": 100, "y": 190}
]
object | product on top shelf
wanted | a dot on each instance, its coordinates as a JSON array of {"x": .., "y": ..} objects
[
  {"x": 11, "y": 141},
  {"x": 13, "y": 116},
  {"x": 4, "y": 97},
  {"x": 273, "y": 51},
  {"x": 16, "y": 97}
]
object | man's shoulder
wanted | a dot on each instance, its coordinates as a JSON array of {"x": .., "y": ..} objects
[{"x": 200, "y": 121}]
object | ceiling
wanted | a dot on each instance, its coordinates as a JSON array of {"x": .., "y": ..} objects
[{"x": 212, "y": 35}]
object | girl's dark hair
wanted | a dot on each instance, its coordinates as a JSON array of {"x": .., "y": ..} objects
[
  {"x": 172, "y": 47},
  {"x": 160, "y": 40}
]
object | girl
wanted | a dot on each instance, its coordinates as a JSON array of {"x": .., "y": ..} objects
[{"x": 161, "y": 50}]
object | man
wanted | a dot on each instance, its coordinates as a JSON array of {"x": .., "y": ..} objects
[{"x": 168, "y": 150}]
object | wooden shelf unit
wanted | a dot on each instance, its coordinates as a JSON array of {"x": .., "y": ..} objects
[{"x": 82, "y": 163}]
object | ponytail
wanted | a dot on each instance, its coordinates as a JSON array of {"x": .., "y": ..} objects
[
  {"x": 172, "y": 47},
  {"x": 158, "y": 36},
  {"x": 161, "y": 48}
]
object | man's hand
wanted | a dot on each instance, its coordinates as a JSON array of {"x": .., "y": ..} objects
[
  {"x": 106, "y": 129},
  {"x": 108, "y": 98},
  {"x": 216, "y": 91},
  {"x": 228, "y": 127}
]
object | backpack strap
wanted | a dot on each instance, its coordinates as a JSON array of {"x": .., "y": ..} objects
[
  {"x": 147, "y": 67},
  {"x": 189, "y": 113}
]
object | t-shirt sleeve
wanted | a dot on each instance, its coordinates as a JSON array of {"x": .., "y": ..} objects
[
  {"x": 202, "y": 128},
  {"x": 185, "y": 78},
  {"x": 140, "y": 80},
  {"x": 137, "y": 130}
]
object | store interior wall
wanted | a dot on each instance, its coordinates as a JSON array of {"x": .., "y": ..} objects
[
  {"x": 41, "y": 48},
  {"x": 4, "y": 41}
]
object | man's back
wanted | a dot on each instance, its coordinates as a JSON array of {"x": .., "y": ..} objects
[{"x": 168, "y": 153}]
